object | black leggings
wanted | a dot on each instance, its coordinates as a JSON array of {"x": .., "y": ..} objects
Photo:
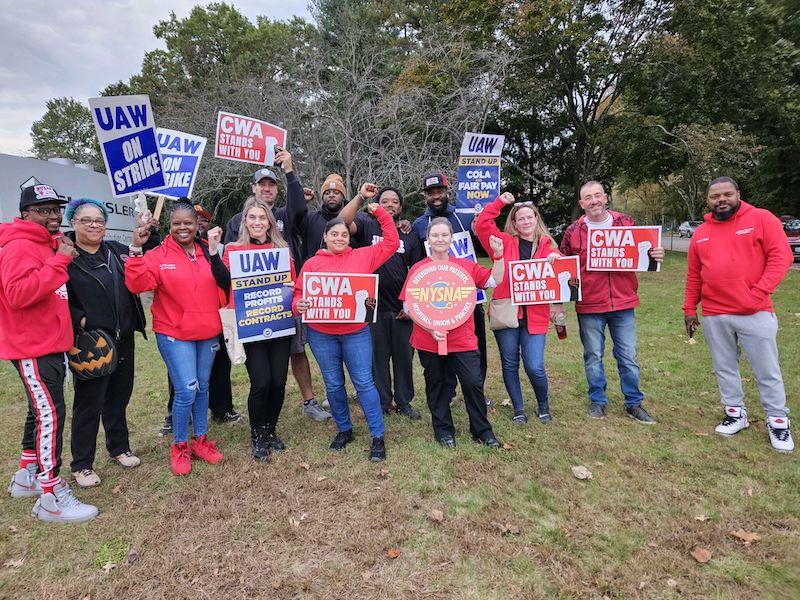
[{"x": 267, "y": 365}]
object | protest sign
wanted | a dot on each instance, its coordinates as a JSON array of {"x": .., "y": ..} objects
[
  {"x": 622, "y": 248},
  {"x": 245, "y": 139},
  {"x": 340, "y": 297},
  {"x": 478, "y": 177},
  {"x": 462, "y": 247},
  {"x": 538, "y": 282},
  {"x": 440, "y": 296},
  {"x": 127, "y": 133},
  {"x": 261, "y": 299},
  {"x": 180, "y": 157}
]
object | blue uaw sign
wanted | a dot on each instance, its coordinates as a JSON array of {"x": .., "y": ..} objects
[
  {"x": 180, "y": 156},
  {"x": 262, "y": 300},
  {"x": 478, "y": 177},
  {"x": 127, "y": 133}
]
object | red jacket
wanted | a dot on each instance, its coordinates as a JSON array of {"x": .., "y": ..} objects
[
  {"x": 602, "y": 291},
  {"x": 735, "y": 265},
  {"x": 187, "y": 300},
  {"x": 233, "y": 247},
  {"x": 34, "y": 312},
  {"x": 360, "y": 260},
  {"x": 537, "y": 315}
]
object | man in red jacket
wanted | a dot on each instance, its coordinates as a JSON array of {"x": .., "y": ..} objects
[
  {"x": 35, "y": 332},
  {"x": 608, "y": 300},
  {"x": 737, "y": 258}
]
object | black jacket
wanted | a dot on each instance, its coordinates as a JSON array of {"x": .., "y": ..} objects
[{"x": 89, "y": 298}]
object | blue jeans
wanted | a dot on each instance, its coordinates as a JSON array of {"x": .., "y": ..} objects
[
  {"x": 355, "y": 351},
  {"x": 622, "y": 327},
  {"x": 510, "y": 342},
  {"x": 189, "y": 366}
]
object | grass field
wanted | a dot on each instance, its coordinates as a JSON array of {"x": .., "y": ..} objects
[{"x": 514, "y": 523}]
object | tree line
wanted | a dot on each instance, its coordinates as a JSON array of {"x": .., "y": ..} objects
[{"x": 651, "y": 97}]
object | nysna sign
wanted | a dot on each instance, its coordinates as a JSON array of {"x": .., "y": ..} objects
[
  {"x": 440, "y": 296},
  {"x": 127, "y": 133},
  {"x": 245, "y": 139}
]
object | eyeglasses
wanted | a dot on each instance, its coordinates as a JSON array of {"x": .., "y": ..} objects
[
  {"x": 44, "y": 211},
  {"x": 87, "y": 221}
]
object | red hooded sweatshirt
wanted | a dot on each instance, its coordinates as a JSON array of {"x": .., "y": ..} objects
[
  {"x": 601, "y": 291},
  {"x": 360, "y": 260},
  {"x": 34, "y": 313},
  {"x": 735, "y": 265},
  {"x": 187, "y": 300},
  {"x": 537, "y": 315}
]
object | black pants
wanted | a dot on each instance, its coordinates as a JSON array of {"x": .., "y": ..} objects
[
  {"x": 390, "y": 341},
  {"x": 220, "y": 396},
  {"x": 480, "y": 332},
  {"x": 267, "y": 365},
  {"x": 106, "y": 398},
  {"x": 465, "y": 366},
  {"x": 43, "y": 380}
]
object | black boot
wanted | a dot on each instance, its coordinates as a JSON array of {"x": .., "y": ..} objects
[
  {"x": 259, "y": 444},
  {"x": 377, "y": 452},
  {"x": 273, "y": 441}
]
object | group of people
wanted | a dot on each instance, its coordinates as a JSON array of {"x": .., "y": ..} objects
[{"x": 55, "y": 287}]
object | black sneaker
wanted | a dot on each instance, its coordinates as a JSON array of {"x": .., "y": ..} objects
[
  {"x": 488, "y": 440},
  {"x": 341, "y": 440},
  {"x": 377, "y": 451},
  {"x": 258, "y": 443},
  {"x": 274, "y": 442},
  {"x": 409, "y": 411},
  {"x": 166, "y": 428},
  {"x": 447, "y": 442},
  {"x": 489, "y": 402},
  {"x": 520, "y": 418},
  {"x": 543, "y": 413},
  {"x": 597, "y": 411},
  {"x": 229, "y": 417},
  {"x": 640, "y": 414}
]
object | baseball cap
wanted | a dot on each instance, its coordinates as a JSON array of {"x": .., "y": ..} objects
[
  {"x": 202, "y": 212},
  {"x": 38, "y": 194},
  {"x": 433, "y": 180},
  {"x": 262, "y": 173}
]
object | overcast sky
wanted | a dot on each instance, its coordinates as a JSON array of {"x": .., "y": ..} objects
[{"x": 77, "y": 48}]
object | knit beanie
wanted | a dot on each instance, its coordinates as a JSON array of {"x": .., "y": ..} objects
[{"x": 333, "y": 182}]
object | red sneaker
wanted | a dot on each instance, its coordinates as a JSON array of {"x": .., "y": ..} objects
[
  {"x": 179, "y": 459},
  {"x": 206, "y": 450}
]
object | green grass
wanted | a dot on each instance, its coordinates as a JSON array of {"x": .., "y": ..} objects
[{"x": 241, "y": 529}]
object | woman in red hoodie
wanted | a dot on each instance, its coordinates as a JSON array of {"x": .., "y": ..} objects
[
  {"x": 267, "y": 360},
  {"x": 525, "y": 237},
  {"x": 350, "y": 343},
  {"x": 187, "y": 278}
]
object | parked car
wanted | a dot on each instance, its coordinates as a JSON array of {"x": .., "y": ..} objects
[
  {"x": 792, "y": 229},
  {"x": 686, "y": 229}
]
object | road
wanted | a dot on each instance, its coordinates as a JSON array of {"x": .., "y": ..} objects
[{"x": 679, "y": 244}]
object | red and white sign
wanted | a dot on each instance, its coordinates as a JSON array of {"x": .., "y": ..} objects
[
  {"x": 622, "y": 249},
  {"x": 247, "y": 140},
  {"x": 340, "y": 297},
  {"x": 440, "y": 296},
  {"x": 539, "y": 282}
]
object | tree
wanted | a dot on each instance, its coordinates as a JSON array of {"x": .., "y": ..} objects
[{"x": 66, "y": 131}]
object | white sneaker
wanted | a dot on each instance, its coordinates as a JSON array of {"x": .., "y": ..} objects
[
  {"x": 62, "y": 507},
  {"x": 127, "y": 459},
  {"x": 735, "y": 420},
  {"x": 86, "y": 478},
  {"x": 24, "y": 483},
  {"x": 779, "y": 434},
  {"x": 326, "y": 404}
]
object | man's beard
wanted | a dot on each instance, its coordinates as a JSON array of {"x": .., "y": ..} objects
[{"x": 724, "y": 215}]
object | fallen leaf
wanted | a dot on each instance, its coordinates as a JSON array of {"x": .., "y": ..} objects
[
  {"x": 701, "y": 433},
  {"x": 513, "y": 529},
  {"x": 701, "y": 518},
  {"x": 672, "y": 583},
  {"x": 321, "y": 478},
  {"x": 747, "y": 379},
  {"x": 294, "y": 522},
  {"x": 507, "y": 446},
  {"x": 109, "y": 566},
  {"x": 509, "y": 529},
  {"x": 116, "y": 489},
  {"x": 385, "y": 473},
  {"x": 506, "y": 402},
  {"x": 652, "y": 544},
  {"x": 305, "y": 465},
  {"x": 701, "y": 555},
  {"x": 303, "y": 516},
  {"x": 581, "y": 472},
  {"x": 366, "y": 575},
  {"x": 87, "y": 597},
  {"x": 642, "y": 585},
  {"x": 691, "y": 341},
  {"x": 13, "y": 529},
  {"x": 13, "y": 563},
  {"x": 700, "y": 411},
  {"x": 393, "y": 552},
  {"x": 276, "y": 585},
  {"x": 748, "y": 492},
  {"x": 436, "y": 516},
  {"x": 132, "y": 556},
  {"x": 492, "y": 411},
  {"x": 745, "y": 536},
  {"x": 597, "y": 463}
]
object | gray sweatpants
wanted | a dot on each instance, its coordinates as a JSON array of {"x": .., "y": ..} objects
[{"x": 756, "y": 335}]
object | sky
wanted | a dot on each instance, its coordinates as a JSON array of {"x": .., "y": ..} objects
[{"x": 77, "y": 48}]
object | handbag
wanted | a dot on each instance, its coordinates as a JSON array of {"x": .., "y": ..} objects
[
  {"x": 230, "y": 334},
  {"x": 92, "y": 355},
  {"x": 502, "y": 314}
]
